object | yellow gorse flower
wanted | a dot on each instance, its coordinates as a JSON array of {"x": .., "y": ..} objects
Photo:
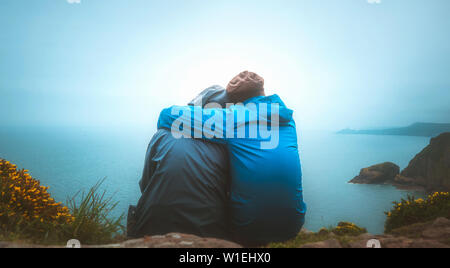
[
  {"x": 416, "y": 209},
  {"x": 24, "y": 197}
]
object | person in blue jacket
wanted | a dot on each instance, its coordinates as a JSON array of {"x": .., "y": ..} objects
[{"x": 266, "y": 178}]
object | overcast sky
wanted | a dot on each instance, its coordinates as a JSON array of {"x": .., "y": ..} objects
[{"x": 336, "y": 63}]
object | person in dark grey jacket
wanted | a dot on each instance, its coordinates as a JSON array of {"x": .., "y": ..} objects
[{"x": 185, "y": 184}]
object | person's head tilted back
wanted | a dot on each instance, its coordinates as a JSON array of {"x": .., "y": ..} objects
[{"x": 244, "y": 86}]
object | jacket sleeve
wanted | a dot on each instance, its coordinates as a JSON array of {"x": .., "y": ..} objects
[
  {"x": 196, "y": 122},
  {"x": 149, "y": 167},
  {"x": 222, "y": 125}
]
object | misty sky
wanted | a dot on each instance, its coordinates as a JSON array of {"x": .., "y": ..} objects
[{"x": 337, "y": 63}]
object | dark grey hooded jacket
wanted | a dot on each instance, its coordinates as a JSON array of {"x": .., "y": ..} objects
[{"x": 184, "y": 185}]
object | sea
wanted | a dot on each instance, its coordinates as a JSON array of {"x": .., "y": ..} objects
[{"x": 72, "y": 159}]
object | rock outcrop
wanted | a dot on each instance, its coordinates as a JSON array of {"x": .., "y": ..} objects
[
  {"x": 331, "y": 243},
  {"x": 173, "y": 240},
  {"x": 435, "y": 234},
  {"x": 377, "y": 174},
  {"x": 429, "y": 170},
  {"x": 431, "y": 167}
]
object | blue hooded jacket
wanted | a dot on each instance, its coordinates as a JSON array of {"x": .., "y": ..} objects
[{"x": 266, "y": 179}]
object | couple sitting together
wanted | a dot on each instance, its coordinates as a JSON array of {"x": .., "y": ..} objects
[{"x": 226, "y": 166}]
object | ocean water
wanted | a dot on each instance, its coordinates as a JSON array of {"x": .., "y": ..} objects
[{"x": 73, "y": 159}]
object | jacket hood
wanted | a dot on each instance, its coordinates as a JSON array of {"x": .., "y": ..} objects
[
  {"x": 285, "y": 114},
  {"x": 214, "y": 94}
]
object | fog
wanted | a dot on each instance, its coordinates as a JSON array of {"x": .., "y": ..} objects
[{"x": 336, "y": 63}]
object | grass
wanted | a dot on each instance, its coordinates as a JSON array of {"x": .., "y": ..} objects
[
  {"x": 93, "y": 222},
  {"x": 344, "y": 232}
]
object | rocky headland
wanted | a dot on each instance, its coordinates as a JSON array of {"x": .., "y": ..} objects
[
  {"x": 377, "y": 174},
  {"x": 429, "y": 170},
  {"x": 417, "y": 129}
]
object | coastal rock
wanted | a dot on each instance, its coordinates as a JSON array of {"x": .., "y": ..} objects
[
  {"x": 377, "y": 174},
  {"x": 422, "y": 243},
  {"x": 434, "y": 234},
  {"x": 395, "y": 242},
  {"x": 430, "y": 168},
  {"x": 402, "y": 180},
  {"x": 175, "y": 240},
  {"x": 172, "y": 240},
  {"x": 332, "y": 243},
  {"x": 439, "y": 230},
  {"x": 361, "y": 241}
]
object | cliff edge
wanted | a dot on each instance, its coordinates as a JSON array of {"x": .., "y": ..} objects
[{"x": 431, "y": 167}]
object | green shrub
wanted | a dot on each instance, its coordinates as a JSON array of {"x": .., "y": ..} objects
[
  {"x": 28, "y": 213},
  {"x": 324, "y": 231},
  {"x": 302, "y": 239},
  {"x": 344, "y": 232},
  {"x": 348, "y": 228},
  {"x": 411, "y": 211}
]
